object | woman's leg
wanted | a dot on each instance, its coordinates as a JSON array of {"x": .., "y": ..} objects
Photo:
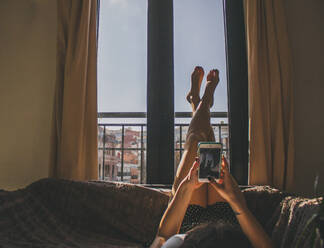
[{"x": 199, "y": 130}]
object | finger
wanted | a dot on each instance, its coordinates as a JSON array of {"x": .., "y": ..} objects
[
  {"x": 225, "y": 165},
  {"x": 211, "y": 180},
  {"x": 214, "y": 184},
  {"x": 195, "y": 165},
  {"x": 225, "y": 161},
  {"x": 194, "y": 168}
]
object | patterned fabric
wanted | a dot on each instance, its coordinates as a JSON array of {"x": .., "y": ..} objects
[
  {"x": 60, "y": 213},
  {"x": 218, "y": 212},
  {"x": 292, "y": 228},
  {"x": 283, "y": 215}
]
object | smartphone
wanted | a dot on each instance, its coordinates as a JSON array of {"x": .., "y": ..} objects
[{"x": 210, "y": 154}]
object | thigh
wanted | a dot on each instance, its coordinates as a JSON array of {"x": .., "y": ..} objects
[
  {"x": 213, "y": 196},
  {"x": 199, "y": 196}
]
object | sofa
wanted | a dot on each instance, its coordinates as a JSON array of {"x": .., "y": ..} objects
[{"x": 64, "y": 213}]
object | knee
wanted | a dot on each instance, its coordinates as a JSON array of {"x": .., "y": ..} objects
[{"x": 193, "y": 139}]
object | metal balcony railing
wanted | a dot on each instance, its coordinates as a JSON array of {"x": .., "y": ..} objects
[{"x": 122, "y": 146}]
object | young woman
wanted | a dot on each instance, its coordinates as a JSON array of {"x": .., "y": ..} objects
[{"x": 203, "y": 206}]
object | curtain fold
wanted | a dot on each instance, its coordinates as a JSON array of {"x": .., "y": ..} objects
[
  {"x": 270, "y": 95},
  {"x": 75, "y": 154}
]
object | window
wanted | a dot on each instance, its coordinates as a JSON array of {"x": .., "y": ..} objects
[
  {"x": 122, "y": 54},
  {"x": 163, "y": 77},
  {"x": 199, "y": 39}
]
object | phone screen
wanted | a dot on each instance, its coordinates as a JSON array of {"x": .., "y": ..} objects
[{"x": 210, "y": 159}]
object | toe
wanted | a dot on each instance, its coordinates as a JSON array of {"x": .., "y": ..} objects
[
  {"x": 213, "y": 75},
  {"x": 201, "y": 72},
  {"x": 210, "y": 76}
]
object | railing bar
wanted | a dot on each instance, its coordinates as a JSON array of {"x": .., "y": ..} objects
[
  {"x": 119, "y": 124},
  {"x": 126, "y": 149},
  {"x": 121, "y": 115},
  {"x": 142, "y": 143},
  {"x": 181, "y": 141},
  {"x": 137, "y": 125},
  {"x": 214, "y": 125},
  {"x": 212, "y": 114},
  {"x": 104, "y": 155},
  {"x": 144, "y": 115},
  {"x": 122, "y": 155},
  {"x": 178, "y": 149},
  {"x": 220, "y": 134}
]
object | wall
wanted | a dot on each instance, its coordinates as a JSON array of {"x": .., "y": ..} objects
[
  {"x": 305, "y": 29},
  {"x": 27, "y": 76}
]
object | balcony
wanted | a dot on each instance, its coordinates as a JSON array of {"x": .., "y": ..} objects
[{"x": 122, "y": 146}]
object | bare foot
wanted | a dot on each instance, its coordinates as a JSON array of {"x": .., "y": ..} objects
[
  {"x": 212, "y": 82},
  {"x": 193, "y": 97}
]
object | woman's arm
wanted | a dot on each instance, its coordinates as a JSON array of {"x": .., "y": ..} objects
[
  {"x": 229, "y": 190},
  {"x": 173, "y": 216}
]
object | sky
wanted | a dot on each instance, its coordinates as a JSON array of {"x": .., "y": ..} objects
[{"x": 122, "y": 52}]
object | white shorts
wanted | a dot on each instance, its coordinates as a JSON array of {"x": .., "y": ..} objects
[{"x": 175, "y": 241}]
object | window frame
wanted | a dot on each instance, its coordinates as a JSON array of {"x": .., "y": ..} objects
[
  {"x": 237, "y": 88},
  {"x": 160, "y": 93}
]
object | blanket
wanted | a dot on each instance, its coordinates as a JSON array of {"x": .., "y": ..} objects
[
  {"x": 293, "y": 228},
  {"x": 284, "y": 216},
  {"x": 62, "y": 213}
]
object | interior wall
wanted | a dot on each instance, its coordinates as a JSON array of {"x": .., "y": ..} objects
[
  {"x": 27, "y": 76},
  {"x": 305, "y": 29}
]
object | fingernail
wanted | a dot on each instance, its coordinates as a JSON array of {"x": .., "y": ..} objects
[{"x": 220, "y": 181}]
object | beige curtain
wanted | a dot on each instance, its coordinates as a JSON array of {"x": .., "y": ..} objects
[
  {"x": 75, "y": 136},
  {"x": 270, "y": 95}
]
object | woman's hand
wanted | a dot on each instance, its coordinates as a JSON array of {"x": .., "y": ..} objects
[
  {"x": 191, "y": 180},
  {"x": 228, "y": 188}
]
